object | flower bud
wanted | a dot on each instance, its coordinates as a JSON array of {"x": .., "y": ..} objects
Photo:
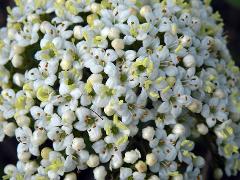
[
  {"x": 17, "y": 61},
  {"x": 68, "y": 117},
  {"x": 151, "y": 159},
  {"x": 24, "y": 156},
  {"x": 70, "y": 176},
  {"x": 178, "y": 129},
  {"x": 189, "y": 61},
  {"x": 30, "y": 167},
  {"x": 78, "y": 144},
  {"x": 45, "y": 27},
  {"x": 94, "y": 134},
  {"x": 45, "y": 152},
  {"x": 9, "y": 169},
  {"x": 141, "y": 166},
  {"x": 93, "y": 161},
  {"x": 100, "y": 173},
  {"x": 18, "y": 49},
  {"x": 118, "y": 44},
  {"x": 23, "y": 121},
  {"x": 218, "y": 174},
  {"x": 145, "y": 10},
  {"x": 95, "y": 7},
  {"x": 9, "y": 129},
  {"x": 202, "y": 129},
  {"x": 18, "y": 79},
  {"x": 66, "y": 65},
  {"x": 153, "y": 177},
  {"x": 114, "y": 33},
  {"x": 219, "y": 93},
  {"x": 178, "y": 177},
  {"x": 116, "y": 161},
  {"x": 108, "y": 110},
  {"x": 148, "y": 133},
  {"x": 195, "y": 106},
  {"x": 132, "y": 156},
  {"x": 77, "y": 32},
  {"x": 39, "y": 137}
]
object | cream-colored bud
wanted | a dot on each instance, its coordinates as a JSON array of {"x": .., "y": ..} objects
[
  {"x": 141, "y": 166},
  {"x": 24, "y": 156},
  {"x": 70, "y": 176},
  {"x": 100, "y": 173},
  {"x": 38, "y": 137},
  {"x": 9, "y": 129},
  {"x": 178, "y": 177},
  {"x": 18, "y": 49},
  {"x": 195, "y": 106},
  {"x": 66, "y": 65},
  {"x": 93, "y": 161},
  {"x": 22, "y": 120},
  {"x": 45, "y": 27},
  {"x": 189, "y": 61},
  {"x": 68, "y": 117},
  {"x": 45, "y": 152},
  {"x": 9, "y": 169},
  {"x": 151, "y": 159},
  {"x": 32, "y": 17},
  {"x": 153, "y": 177},
  {"x": 132, "y": 156},
  {"x": 148, "y": 133},
  {"x": 114, "y": 33},
  {"x": 95, "y": 7},
  {"x": 77, "y": 32},
  {"x": 178, "y": 129},
  {"x": 145, "y": 10},
  {"x": 17, "y": 61},
  {"x": 78, "y": 144},
  {"x": 108, "y": 110},
  {"x": 18, "y": 79},
  {"x": 218, "y": 174},
  {"x": 219, "y": 93},
  {"x": 202, "y": 129},
  {"x": 118, "y": 44},
  {"x": 30, "y": 167}
]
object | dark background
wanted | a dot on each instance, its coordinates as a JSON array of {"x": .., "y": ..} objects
[{"x": 230, "y": 11}]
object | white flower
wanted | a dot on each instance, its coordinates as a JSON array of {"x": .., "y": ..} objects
[{"x": 61, "y": 138}]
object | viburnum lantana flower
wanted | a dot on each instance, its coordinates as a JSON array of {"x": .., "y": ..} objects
[{"x": 126, "y": 88}]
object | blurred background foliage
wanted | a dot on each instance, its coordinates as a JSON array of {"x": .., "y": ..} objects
[{"x": 230, "y": 11}]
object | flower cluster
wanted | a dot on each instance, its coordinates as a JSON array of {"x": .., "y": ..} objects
[{"x": 127, "y": 88}]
